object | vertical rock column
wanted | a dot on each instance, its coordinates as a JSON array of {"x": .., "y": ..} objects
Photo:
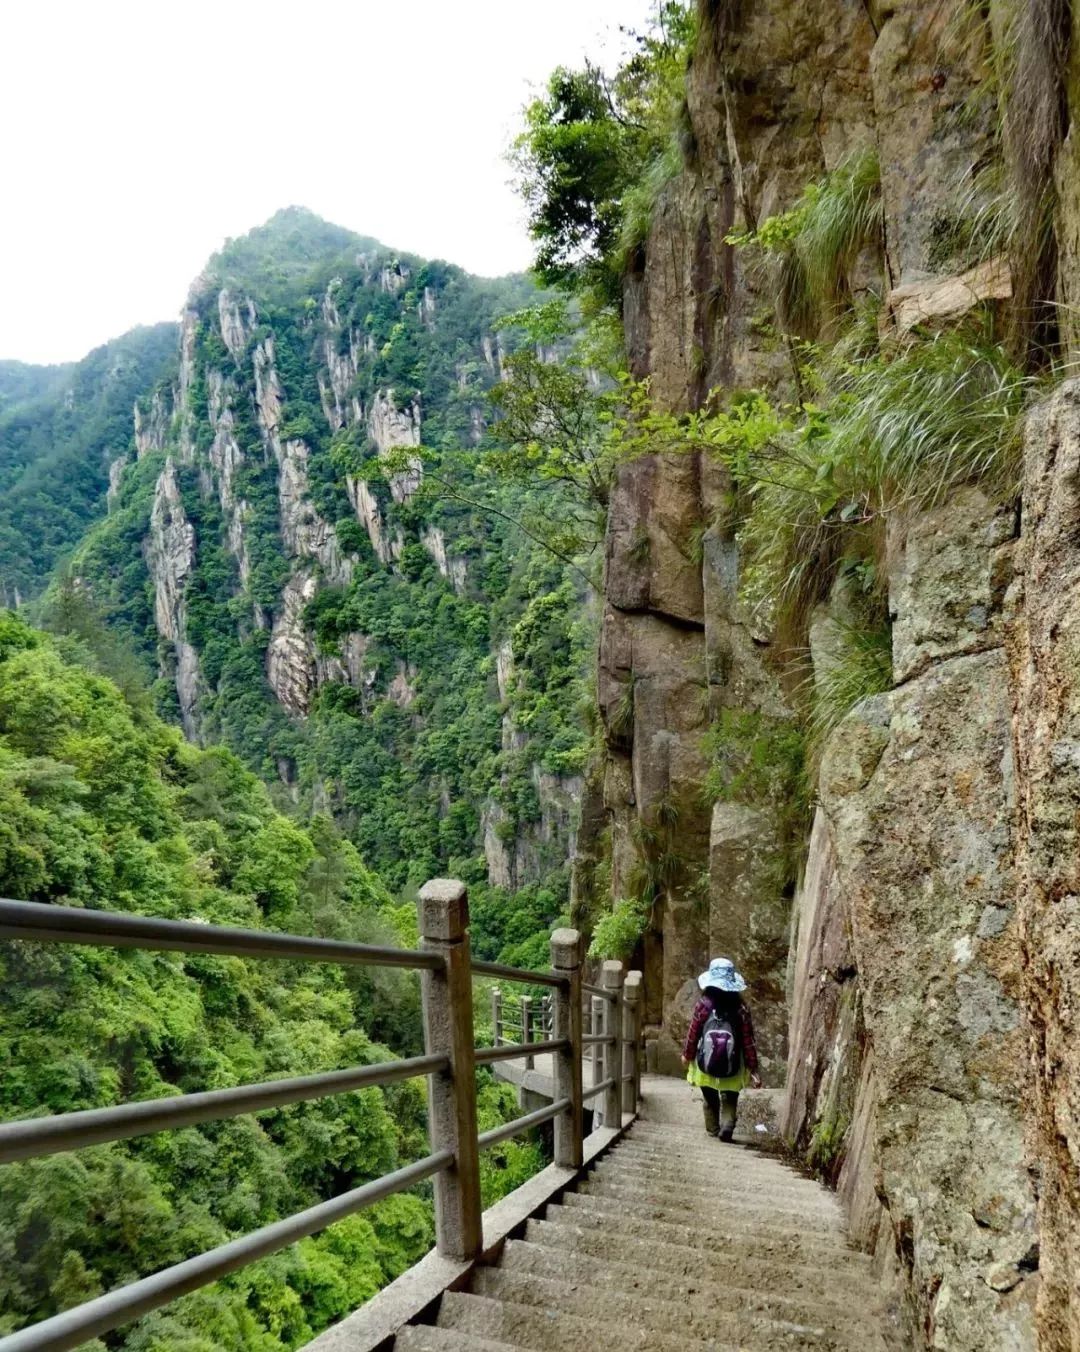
[{"x": 1044, "y": 649}]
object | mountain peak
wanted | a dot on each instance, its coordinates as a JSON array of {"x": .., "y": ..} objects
[{"x": 288, "y": 246}]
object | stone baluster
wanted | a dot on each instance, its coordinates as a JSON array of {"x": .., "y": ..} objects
[
  {"x": 611, "y": 978},
  {"x": 631, "y": 1024},
  {"x": 446, "y": 995},
  {"x": 566, "y": 1023}
]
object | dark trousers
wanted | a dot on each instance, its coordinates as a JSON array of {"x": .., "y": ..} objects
[{"x": 720, "y": 1109}]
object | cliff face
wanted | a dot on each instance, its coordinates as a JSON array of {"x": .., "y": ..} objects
[{"x": 920, "y": 984}]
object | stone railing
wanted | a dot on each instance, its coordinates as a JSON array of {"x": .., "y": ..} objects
[{"x": 450, "y": 1060}]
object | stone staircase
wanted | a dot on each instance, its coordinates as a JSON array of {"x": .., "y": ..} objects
[{"x": 672, "y": 1242}]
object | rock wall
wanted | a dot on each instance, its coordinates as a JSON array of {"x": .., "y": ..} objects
[
  {"x": 1044, "y": 653},
  {"x": 932, "y": 945}
]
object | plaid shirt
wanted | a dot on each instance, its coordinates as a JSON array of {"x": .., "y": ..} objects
[{"x": 702, "y": 1010}]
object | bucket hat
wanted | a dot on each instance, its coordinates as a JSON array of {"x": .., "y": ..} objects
[{"x": 722, "y": 975}]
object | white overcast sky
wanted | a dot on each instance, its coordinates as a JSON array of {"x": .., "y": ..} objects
[{"x": 140, "y": 134}]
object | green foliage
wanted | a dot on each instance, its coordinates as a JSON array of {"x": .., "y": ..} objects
[
  {"x": 102, "y": 805},
  {"x": 755, "y": 758},
  {"x": 618, "y": 933},
  {"x": 826, "y": 1149},
  {"x": 59, "y": 432},
  {"x": 815, "y": 244},
  {"x": 856, "y": 665},
  {"x": 594, "y": 152}
]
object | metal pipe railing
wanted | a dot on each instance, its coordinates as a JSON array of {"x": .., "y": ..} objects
[
  {"x": 449, "y": 1063},
  {"x": 522, "y": 1124},
  {"x": 484, "y": 1056},
  {"x": 43, "y": 922},
  {"x": 74, "y": 1327},
  {"x": 34, "y": 1136},
  {"x": 517, "y": 974}
]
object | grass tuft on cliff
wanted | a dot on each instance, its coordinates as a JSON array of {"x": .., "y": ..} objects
[
  {"x": 815, "y": 244},
  {"x": 858, "y": 665}
]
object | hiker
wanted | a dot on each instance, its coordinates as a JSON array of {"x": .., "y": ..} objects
[{"x": 719, "y": 1053}]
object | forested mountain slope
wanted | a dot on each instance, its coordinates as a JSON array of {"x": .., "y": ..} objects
[
  {"x": 61, "y": 428},
  {"x": 305, "y": 549}
]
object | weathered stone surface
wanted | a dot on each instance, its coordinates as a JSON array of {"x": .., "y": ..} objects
[
  {"x": 433, "y": 539},
  {"x": 923, "y": 849},
  {"x": 237, "y": 318},
  {"x": 748, "y": 919},
  {"x": 116, "y": 475},
  {"x": 1044, "y": 650},
  {"x": 169, "y": 551},
  {"x": 946, "y": 298},
  {"x": 392, "y": 428},
  {"x": 290, "y": 657},
  {"x": 949, "y": 570},
  {"x": 654, "y": 521},
  {"x": 931, "y": 125},
  {"x": 152, "y": 428}
]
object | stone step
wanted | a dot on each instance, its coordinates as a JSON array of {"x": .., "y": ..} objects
[
  {"x": 431, "y": 1338},
  {"x": 707, "y": 1151},
  {"x": 548, "y": 1329},
  {"x": 711, "y": 1225},
  {"x": 631, "y": 1282},
  {"x": 664, "y": 1316},
  {"x": 717, "y": 1160},
  {"x": 702, "y": 1209},
  {"x": 702, "y": 1180},
  {"x": 820, "y": 1206},
  {"x": 786, "y": 1247},
  {"x": 734, "y": 1268}
]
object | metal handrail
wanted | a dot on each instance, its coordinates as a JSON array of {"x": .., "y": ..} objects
[
  {"x": 33, "y": 1136},
  {"x": 113, "y": 929},
  {"x": 445, "y": 957},
  {"x": 496, "y": 1134},
  {"x": 511, "y": 1051},
  {"x": 517, "y": 974},
  {"x": 74, "y": 1327}
]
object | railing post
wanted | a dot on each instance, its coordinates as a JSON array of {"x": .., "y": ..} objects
[
  {"x": 526, "y": 1027},
  {"x": 596, "y": 1027},
  {"x": 631, "y": 1025},
  {"x": 496, "y": 1017},
  {"x": 566, "y": 1023},
  {"x": 611, "y": 979},
  {"x": 448, "y": 1028}
]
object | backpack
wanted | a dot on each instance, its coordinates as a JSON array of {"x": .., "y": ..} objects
[{"x": 719, "y": 1052}]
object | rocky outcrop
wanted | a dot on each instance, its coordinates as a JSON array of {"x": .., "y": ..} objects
[
  {"x": 908, "y": 1041},
  {"x": 170, "y": 558},
  {"x": 387, "y": 546},
  {"x": 226, "y": 459},
  {"x": 1044, "y": 653},
  {"x": 237, "y": 319},
  {"x": 392, "y": 428},
  {"x": 306, "y": 534},
  {"x": 433, "y": 538},
  {"x": 152, "y": 427},
  {"x": 116, "y": 475},
  {"x": 290, "y": 657},
  {"x": 522, "y": 853}
]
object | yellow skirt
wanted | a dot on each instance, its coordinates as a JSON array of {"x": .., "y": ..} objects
[{"x": 696, "y": 1076}]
